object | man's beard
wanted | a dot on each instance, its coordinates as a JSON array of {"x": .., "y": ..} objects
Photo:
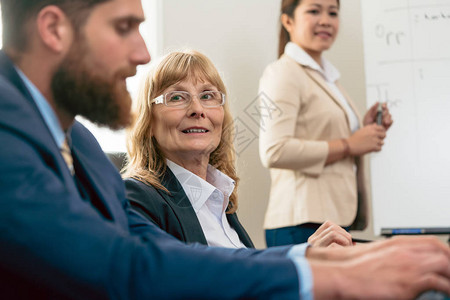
[{"x": 78, "y": 90}]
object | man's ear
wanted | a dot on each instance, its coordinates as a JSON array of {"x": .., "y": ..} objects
[
  {"x": 54, "y": 28},
  {"x": 287, "y": 22}
]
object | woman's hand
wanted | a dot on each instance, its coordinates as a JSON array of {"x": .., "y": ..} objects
[
  {"x": 367, "y": 139},
  {"x": 371, "y": 116},
  {"x": 330, "y": 235}
]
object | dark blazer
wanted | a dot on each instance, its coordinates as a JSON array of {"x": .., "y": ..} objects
[
  {"x": 173, "y": 211},
  {"x": 55, "y": 244}
]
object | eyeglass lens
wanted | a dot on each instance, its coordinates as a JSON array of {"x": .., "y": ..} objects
[{"x": 206, "y": 98}]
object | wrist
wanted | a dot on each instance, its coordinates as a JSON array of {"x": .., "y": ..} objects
[
  {"x": 346, "y": 146},
  {"x": 327, "y": 284},
  {"x": 315, "y": 253}
]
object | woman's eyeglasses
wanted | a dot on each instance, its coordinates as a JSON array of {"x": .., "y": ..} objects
[{"x": 183, "y": 99}]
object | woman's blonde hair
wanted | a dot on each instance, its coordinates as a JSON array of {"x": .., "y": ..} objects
[{"x": 146, "y": 162}]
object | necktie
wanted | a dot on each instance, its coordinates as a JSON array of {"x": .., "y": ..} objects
[{"x": 67, "y": 155}]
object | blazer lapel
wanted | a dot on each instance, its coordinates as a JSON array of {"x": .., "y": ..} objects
[
  {"x": 316, "y": 77},
  {"x": 350, "y": 102},
  {"x": 182, "y": 208},
  {"x": 86, "y": 175},
  {"x": 23, "y": 107},
  {"x": 243, "y": 235},
  {"x": 100, "y": 179}
]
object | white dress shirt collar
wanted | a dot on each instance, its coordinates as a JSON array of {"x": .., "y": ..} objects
[
  {"x": 49, "y": 116},
  {"x": 209, "y": 199},
  {"x": 199, "y": 190},
  {"x": 329, "y": 72}
]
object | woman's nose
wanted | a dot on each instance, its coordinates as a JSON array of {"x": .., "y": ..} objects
[
  {"x": 324, "y": 19},
  {"x": 195, "y": 108}
]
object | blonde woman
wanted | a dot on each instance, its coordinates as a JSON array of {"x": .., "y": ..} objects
[
  {"x": 181, "y": 157},
  {"x": 181, "y": 171}
]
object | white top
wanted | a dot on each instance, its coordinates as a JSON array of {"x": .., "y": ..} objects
[
  {"x": 329, "y": 73},
  {"x": 210, "y": 200}
]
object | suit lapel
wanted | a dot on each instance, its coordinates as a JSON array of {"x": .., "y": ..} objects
[
  {"x": 98, "y": 177},
  {"x": 182, "y": 208},
  {"x": 316, "y": 77},
  {"x": 243, "y": 235},
  {"x": 350, "y": 102},
  {"x": 23, "y": 107},
  {"x": 90, "y": 188}
]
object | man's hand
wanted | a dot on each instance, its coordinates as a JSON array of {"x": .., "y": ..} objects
[{"x": 398, "y": 268}]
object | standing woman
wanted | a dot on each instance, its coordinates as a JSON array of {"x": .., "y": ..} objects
[{"x": 314, "y": 146}]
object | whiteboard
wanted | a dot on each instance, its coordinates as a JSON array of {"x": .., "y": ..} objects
[{"x": 407, "y": 65}]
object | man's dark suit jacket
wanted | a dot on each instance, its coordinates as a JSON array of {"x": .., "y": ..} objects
[
  {"x": 56, "y": 244},
  {"x": 173, "y": 211}
]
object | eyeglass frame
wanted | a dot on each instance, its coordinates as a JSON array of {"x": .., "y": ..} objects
[{"x": 161, "y": 99}]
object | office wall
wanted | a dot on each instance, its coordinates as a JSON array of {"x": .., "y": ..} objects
[{"x": 241, "y": 38}]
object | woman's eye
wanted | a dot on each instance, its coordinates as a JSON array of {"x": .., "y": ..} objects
[
  {"x": 207, "y": 96},
  {"x": 333, "y": 13},
  {"x": 177, "y": 97},
  {"x": 314, "y": 11},
  {"x": 211, "y": 95}
]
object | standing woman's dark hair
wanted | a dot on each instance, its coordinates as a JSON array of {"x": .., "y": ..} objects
[{"x": 287, "y": 7}]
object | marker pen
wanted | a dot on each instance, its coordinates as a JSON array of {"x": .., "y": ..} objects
[{"x": 379, "y": 114}]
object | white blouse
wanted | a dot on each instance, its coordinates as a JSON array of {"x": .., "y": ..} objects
[{"x": 210, "y": 200}]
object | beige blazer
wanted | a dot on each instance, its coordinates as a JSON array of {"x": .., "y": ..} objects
[{"x": 302, "y": 115}]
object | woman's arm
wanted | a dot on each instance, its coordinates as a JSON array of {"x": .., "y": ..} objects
[{"x": 365, "y": 140}]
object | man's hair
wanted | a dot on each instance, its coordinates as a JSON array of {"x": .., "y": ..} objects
[{"x": 16, "y": 15}]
